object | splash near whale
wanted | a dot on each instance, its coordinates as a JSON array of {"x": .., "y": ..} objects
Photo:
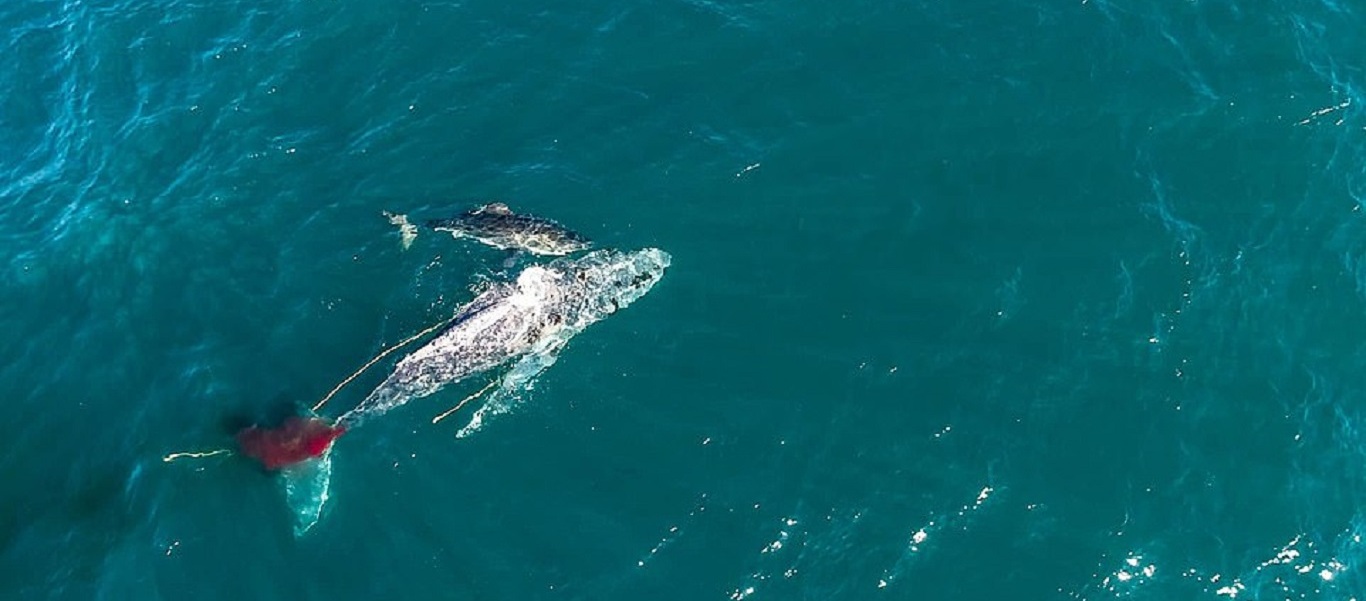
[{"x": 525, "y": 322}]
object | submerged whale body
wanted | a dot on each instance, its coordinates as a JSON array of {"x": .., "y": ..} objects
[
  {"x": 496, "y": 225},
  {"x": 529, "y": 319}
]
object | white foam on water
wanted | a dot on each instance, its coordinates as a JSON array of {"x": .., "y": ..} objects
[{"x": 919, "y": 541}]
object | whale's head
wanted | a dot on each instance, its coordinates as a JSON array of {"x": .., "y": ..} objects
[{"x": 604, "y": 281}]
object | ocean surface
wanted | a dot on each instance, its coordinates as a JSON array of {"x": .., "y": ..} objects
[{"x": 968, "y": 300}]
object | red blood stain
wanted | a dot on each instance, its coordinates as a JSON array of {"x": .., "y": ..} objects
[{"x": 296, "y": 440}]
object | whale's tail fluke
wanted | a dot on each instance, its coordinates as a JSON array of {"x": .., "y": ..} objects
[
  {"x": 407, "y": 232},
  {"x": 306, "y": 490},
  {"x": 301, "y": 450}
]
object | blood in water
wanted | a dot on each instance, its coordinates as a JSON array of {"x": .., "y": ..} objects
[{"x": 297, "y": 439}]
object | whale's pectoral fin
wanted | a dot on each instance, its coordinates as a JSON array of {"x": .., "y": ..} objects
[
  {"x": 514, "y": 385},
  {"x": 306, "y": 487},
  {"x": 510, "y": 258}
]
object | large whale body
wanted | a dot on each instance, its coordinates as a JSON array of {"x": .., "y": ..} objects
[
  {"x": 524, "y": 322},
  {"x": 527, "y": 320}
]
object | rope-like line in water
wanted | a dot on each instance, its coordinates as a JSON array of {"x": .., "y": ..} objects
[
  {"x": 175, "y": 456},
  {"x": 377, "y": 358},
  {"x": 462, "y": 403},
  {"x": 200, "y": 455}
]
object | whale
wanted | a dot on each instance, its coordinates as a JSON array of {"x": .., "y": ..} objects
[
  {"x": 523, "y": 323},
  {"x": 526, "y": 321},
  {"x": 496, "y": 225}
]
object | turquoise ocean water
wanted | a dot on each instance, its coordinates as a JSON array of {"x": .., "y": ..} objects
[{"x": 969, "y": 300}]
